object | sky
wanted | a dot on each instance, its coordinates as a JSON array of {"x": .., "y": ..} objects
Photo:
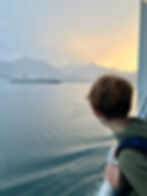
[{"x": 64, "y": 32}]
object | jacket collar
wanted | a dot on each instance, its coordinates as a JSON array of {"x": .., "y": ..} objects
[{"x": 132, "y": 130}]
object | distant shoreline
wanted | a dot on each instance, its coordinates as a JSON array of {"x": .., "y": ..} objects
[{"x": 35, "y": 81}]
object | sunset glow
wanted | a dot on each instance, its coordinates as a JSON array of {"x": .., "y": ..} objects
[{"x": 66, "y": 32}]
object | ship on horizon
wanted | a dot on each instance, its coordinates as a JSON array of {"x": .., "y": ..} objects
[{"x": 35, "y": 80}]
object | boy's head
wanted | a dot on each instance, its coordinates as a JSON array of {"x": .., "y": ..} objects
[{"x": 111, "y": 96}]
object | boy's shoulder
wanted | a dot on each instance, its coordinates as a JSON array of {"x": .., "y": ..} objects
[
  {"x": 133, "y": 165},
  {"x": 131, "y": 157},
  {"x": 132, "y": 150},
  {"x": 132, "y": 142}
]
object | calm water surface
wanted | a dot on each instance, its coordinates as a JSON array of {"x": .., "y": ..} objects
[{"x": 51, "y": 144}]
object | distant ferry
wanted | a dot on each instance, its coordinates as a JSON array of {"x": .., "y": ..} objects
[{"x": 35, "y": 81}]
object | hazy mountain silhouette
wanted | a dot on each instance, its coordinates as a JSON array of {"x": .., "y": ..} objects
[
  {"x": 34, "y": 67},
  {"x": 91, "y": 71},
  {"x": 27, "y": 66}
]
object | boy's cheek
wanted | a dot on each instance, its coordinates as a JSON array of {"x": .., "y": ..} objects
[{"x": 96, "y": 112}]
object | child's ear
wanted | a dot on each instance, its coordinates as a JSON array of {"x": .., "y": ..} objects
[{"x": 96, "y": 112}]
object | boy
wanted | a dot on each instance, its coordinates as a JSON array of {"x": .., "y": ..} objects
[{"x": 110, "y": 98}]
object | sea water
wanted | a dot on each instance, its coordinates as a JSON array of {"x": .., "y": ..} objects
[{"x": 50, "y": 142}]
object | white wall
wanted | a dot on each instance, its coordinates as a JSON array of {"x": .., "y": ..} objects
[{"x": 142, "y": 75}]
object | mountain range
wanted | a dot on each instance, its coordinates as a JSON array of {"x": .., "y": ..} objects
[{"x": 72, "y": 73}]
